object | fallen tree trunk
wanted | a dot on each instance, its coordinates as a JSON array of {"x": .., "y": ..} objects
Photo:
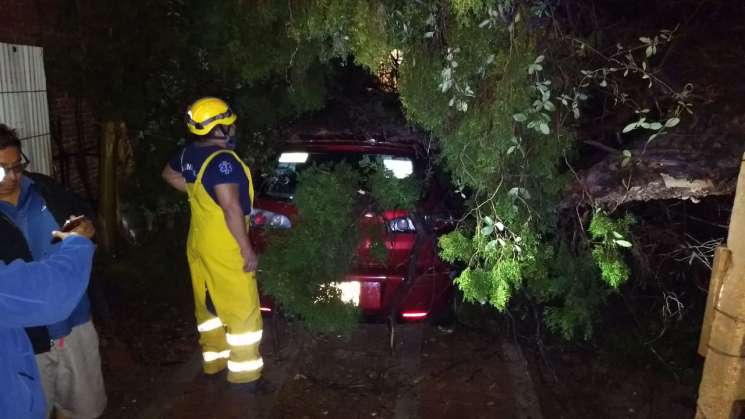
[{"x": 654, "y": 174}]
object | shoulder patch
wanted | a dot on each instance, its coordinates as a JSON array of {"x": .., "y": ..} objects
[{"x": 225, "y": 167}]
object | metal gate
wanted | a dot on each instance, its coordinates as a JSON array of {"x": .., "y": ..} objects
[{"x": 23, "y": 102}]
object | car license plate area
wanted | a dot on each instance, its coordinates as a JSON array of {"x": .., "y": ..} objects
[
  {"x": 365, "y": 295},
  {"x": 370, "y": 296},
  {"x": 350, "y": 291}
]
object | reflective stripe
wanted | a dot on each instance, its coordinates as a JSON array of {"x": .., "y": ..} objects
[
  {"x": 246, "y": 365},
  {"x": 243, "y": 339},
  {"x": 214, "y": 356},
  {"x": 210, "y": 324}
]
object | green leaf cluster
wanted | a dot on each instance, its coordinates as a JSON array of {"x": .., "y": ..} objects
[
  {"x": 572, "y": 295},
  {"x": 299, "y": 267},
  {"x": 496, "y": 261},
  {"x": 389, "y": 192},
  {"x": 609, "y": 236}
]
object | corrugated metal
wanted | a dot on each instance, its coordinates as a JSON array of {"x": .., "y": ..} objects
[{"x": 23, "y": 101}]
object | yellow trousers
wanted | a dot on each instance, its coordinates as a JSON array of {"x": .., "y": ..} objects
[{"x": 230, "y": 339}]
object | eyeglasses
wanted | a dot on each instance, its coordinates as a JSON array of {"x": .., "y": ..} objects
[
  {"x": 18, "y": 168},
  {"x": 201, "y": 125}
]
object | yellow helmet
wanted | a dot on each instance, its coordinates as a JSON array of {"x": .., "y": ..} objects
[{"x": 207, "y": 112}]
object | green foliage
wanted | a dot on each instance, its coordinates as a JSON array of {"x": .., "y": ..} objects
[
  {"x": 300, "y": 267},
  {"x": 613, "y": 269},
  {"x": 455, "y": 247},
  {"x": 473, "y": 73},
  {"x": 572, "y": 295},
  {"x": 241, "y": 51},
  {"x": 496, "y": 259},
  {"x": 629, "y": 76},
  {"x": 465, "y": 7},
  {"x": 609, "y": 236},
  {"x": 478, "y": 84},
  {"x": 340, "y": 28},
  {"x": 389, "y": 192},
  {"x": 378, "y": 251},
  {"x": 494, "y": 286}
]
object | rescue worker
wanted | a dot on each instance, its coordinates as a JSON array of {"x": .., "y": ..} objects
[{"x": 220, "y": 256}]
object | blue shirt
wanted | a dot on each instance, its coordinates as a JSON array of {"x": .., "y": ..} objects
[
  {"x": 224, "y": 168},
  {"x": 32, "y": 294},
  {"x": 32, "y": 217}
]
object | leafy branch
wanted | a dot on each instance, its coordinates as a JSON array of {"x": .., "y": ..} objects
[{"x": 635, "y": 61}]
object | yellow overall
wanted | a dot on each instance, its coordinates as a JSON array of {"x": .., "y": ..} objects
[{"x": 232, "y": 338}]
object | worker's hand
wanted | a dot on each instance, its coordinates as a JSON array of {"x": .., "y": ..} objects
[
  {"x": 250, "y": 260},
  {"x": 76, "y": 226}
]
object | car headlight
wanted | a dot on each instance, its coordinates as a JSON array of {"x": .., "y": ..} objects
[
  {"x": 402, "y": 225},
  {"x": 264, "y": 218}
]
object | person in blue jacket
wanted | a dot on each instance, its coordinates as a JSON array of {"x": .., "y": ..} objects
[
  {"x": 67, "y": 351},
  {"x": 32, "y": 294}
]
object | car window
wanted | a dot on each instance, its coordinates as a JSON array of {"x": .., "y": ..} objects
[{"x": 283, "y": 183}]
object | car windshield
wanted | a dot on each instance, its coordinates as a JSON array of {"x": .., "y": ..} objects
[{"x": 283, "y": 183}]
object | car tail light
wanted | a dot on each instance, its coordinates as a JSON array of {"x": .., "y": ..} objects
[
  {"x": 414, "y": 314},
  {"x": 402, "y": 225},
  {"x": 264, "y": 218}
]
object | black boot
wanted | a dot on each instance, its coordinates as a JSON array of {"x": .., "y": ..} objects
[{"x": 260, "y": 387}]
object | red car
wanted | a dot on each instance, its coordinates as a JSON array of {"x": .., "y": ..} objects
[{"x": 414, "y": 283}]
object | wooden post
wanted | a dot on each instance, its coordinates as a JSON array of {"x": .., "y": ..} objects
[
  {"x": 722, "y": 388},
  {"x": 722, "y": 257},
  {"x": 107, "y": 219}
]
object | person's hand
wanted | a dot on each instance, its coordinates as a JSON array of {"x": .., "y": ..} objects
[
  {"x": 83, "y": 228},
  {"x": 250, "y": 260}
]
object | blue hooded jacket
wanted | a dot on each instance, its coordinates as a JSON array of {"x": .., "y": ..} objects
[{"x": 33, "y": 294}]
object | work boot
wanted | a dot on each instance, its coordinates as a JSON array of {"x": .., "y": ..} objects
[
  {"x": 260, "y": 387},
  {"x": 211, "y": 383}
]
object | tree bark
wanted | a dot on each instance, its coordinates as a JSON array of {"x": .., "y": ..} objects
[{"x": 653, "y": 175}]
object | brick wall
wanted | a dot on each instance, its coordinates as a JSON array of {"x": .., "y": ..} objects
[
  {"x": 75, "y": 137},
  {"x": 73, "y": 124}
]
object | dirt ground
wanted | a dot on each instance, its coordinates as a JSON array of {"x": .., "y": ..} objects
[
  {"x": 151, "y": 364},
  {"x": 619, "y": 375},
  {"x": 461, "y": 374},
  {"x": 582, "y": 389}
]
